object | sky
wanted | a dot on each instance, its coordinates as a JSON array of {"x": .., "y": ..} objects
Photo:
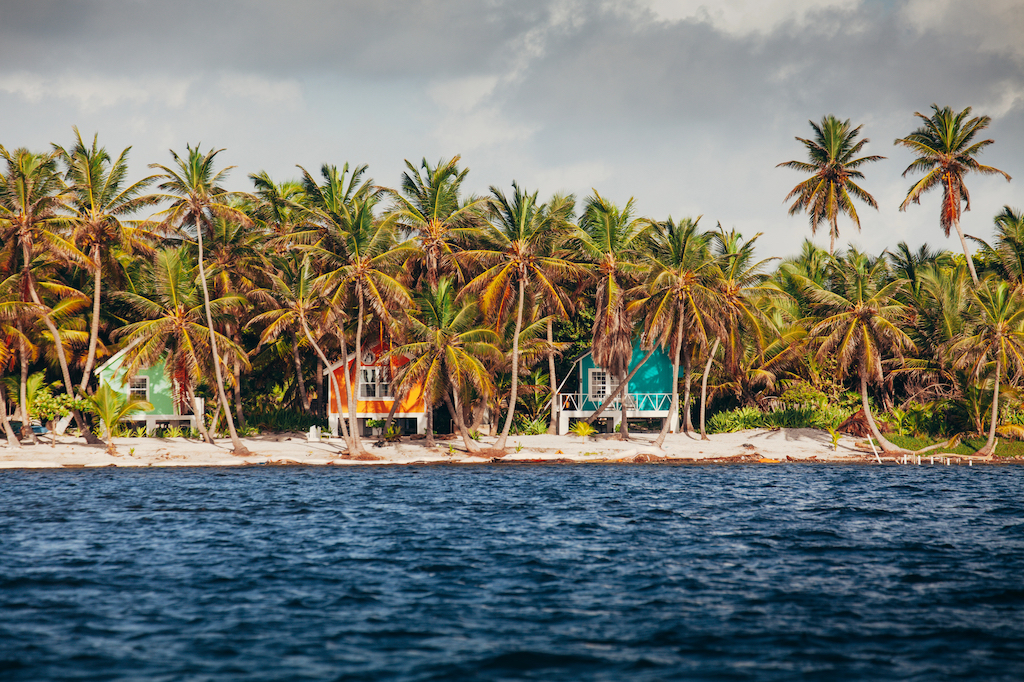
[{"x": 686, "y": 106}]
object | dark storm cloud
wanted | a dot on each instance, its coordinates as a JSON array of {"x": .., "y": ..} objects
[
  {"x": 683, "y": 109},
  {"x": 371, "y": 39}
]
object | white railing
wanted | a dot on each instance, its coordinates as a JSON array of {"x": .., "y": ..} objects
[{"x": 635, "y": 402}]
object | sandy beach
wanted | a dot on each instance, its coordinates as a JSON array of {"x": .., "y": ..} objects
[{"x": 751, "y": 446}]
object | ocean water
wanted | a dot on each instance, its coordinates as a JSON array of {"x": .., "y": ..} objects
[{"x": 583, "y": 572}]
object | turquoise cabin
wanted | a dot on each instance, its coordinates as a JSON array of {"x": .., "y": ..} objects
[
  {"x": 149, "y": 384},
  {"x": 648, "y": 396}
]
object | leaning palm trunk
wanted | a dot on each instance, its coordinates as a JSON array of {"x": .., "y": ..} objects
[
  {"x": 236, "y": 443},
  {"x": 500, "y": 445},
  {"x": 200, "y": 417},
  {"x": 94, "y": 328},
  {"x": 391, "y": 413},
  {"x": 26, "y": 423},
  {"x": 620, "y": 388},
  {"x": 333, "y": 380},
  {"x": 963, "y": 243},
  {"x": 460, "y": 423},
  {"x": 553, "y": 424},
  {"x": 883, "y": 442},
  {"x": 12, "y": 439},
  {"x": 989, "y": 449},
  {"x": 298, "y": 374},
  {"x": 704, "y": 389},
  {"x": 673, "y": 410},
  {"x": 350, "y": 392}
]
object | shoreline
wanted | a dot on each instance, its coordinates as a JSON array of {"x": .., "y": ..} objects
[{"x": 752, "y": 446}]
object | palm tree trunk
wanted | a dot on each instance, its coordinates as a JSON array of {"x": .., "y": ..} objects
[
  {"x": 353, "y": 383},
  {"x": 883, "y": 442},
  {"x": 94, "y": 328},
  {"x": 298, "y": 374},
  {"x": 460, "y": 423},
  {"x": 621, "y": 387},
  {"x": 704, "y": 388},
  {"x": 553, "y": 424},
  {"x": 430, "y": 424},
  {"x": 673, "y": 410},
  {"x": 334, "y": 382},
  {"x": 12, "y": 439},
  {"x": 391, "y": 413},
  {"x": 833, "y": 232},
  {"x": 687, "y": 388},
  {"x": 200, "y": 417},
  {"x": 500, "y": 445},
  {"x": 990, "y": 444},
  {"x": 236, "y": 392},
  {"x": 236, "y": 443},
  {"x": 26, "y": 421},
  {"x": 624, "y": 407},
  {"x": 963, "y": 244}
]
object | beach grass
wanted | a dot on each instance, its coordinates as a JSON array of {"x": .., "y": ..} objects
[{"x": 968, "y": 446}]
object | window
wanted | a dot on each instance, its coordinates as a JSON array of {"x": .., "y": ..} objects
[
  {"x": 374, "y": 382},
  {"x": 601, "y": 384},
  {"x": 138, "y": 387}
]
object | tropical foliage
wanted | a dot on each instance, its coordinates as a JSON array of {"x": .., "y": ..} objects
[{"x": 483, "y": 301}]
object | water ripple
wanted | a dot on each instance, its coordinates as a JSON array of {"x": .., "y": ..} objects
[{"x": 494, "y": 573}]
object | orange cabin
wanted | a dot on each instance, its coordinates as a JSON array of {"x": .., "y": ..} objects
[{"x": 371, "y": 380}]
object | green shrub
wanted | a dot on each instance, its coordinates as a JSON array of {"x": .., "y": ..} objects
[
  {"x": 524, "y": 427},
  {"x": 736, "y": 420}
]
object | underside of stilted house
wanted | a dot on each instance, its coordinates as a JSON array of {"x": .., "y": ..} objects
[
  {"x": 648, "y": 396},
  {"x": 372, "y": 381}
]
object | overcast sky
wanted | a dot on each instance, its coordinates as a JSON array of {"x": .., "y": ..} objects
[{"x": 685, "y": 105}]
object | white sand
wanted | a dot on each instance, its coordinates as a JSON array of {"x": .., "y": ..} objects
[{"x": 285, "y": 449}]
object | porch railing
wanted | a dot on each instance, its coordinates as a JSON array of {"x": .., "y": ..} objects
[{"x": 635, "y": 402}]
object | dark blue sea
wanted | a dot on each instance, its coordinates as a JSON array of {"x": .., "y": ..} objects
[{"x": 503, "y": 572}]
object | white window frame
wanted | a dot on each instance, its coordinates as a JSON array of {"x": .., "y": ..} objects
[
  {"x": 608, "y": 382},
  {"x": 374, "y": 379},
  {"x": 133, "y": 391}
]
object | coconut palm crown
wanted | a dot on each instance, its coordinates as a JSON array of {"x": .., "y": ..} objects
[{"x": 831, "y": 189}]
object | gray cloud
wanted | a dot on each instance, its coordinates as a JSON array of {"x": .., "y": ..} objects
[{"x": 684, "y": 105}]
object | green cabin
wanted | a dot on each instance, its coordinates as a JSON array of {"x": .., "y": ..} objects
[
  {"x": 149, "y": 384},
  {"x": 648, "y": 396}
]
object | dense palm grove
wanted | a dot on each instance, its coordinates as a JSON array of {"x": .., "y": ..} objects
[{"x": 248, "y": 296}]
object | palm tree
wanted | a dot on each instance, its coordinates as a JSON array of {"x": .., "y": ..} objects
[
  {"x": 946, "y": 151},
  {"x": 298, "y": 307},
  {"x": 110, "y": 406},
  {"x": 193, "y": 187},
  {"x": 743, "y": 294},
  {"x": 996, "y": 334},
  {"x": 446, "y": 348},
  {"x": 515, "y": 249},
  {"x": 429, "y": 207},
  {"x": 32, "y": 198},
  {"x": 173, "y": 310},
  {"x": 1008, "y": 251},
  {"x": 827, "y": 193},
  {"x": 279, "y": 208},
  {"x": 860, "y": 322},
  {"x": 611, "y": 240},
  {"x": 99, "y": 200},
  {"x": 360, "y": 268},
  {"x": 234, "y": 257},
  {"x": 681, "y": 296}
]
